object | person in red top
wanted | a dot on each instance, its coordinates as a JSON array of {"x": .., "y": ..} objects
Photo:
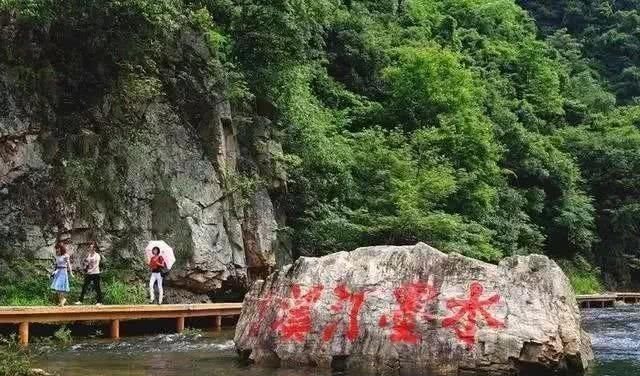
[{"x": 156, "y": 264}]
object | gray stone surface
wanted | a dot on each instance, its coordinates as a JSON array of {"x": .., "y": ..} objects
[
  {"x": 124, "y": 170},
  {"x": 414, "y": 310}
]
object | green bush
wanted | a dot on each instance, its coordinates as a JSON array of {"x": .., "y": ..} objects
[
  {"x": 14, "y": 360},
  {"x": 62, "y": 335},
  {"x": 584, "y": 278},
  {"x": 585, "y": 283},
  {"x": 35, "y": 291},
  {"x": 192, "y": 333},
  {"x": 38, "y": 11},
  {"x": 119, "y": 292},
  {"x": 29, "y": 292}
]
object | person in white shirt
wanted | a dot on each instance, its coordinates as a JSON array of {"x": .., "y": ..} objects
[{"x": 91, "y": 266}]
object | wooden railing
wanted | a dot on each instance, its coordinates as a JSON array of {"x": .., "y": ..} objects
[{"x": 23, "y": 316}]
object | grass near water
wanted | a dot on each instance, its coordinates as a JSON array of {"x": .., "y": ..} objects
[{"x": 36, "y": 291}]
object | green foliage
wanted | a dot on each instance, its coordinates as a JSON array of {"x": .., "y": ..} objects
[
  {"x": 585, "y": 282},
  {"x": 240, "y": 188},
  {"x": 192, "y": 333},
  {"x": 453, "y": 122},
  {"x": 14, "y": 359},
  {"x": 160, "y": 13},
  {"x": 584, "y": 278},
  {"x": 428, "y": 82},
  {"x": 139, "y": 89},
  {"x": 30, "y": 285},
  {"x": 25, "y": 293},
  {"x": 37, "y": 11},
  {"x": 202, "y": 20},
  {"x": 120, "y": 292},
  {"x": 436, "y": 122},
  {"x": 62, "y": 336},
  {"x": 33, "y": 289},
  {"x": 608, "y": 152},
  {"x": 608, "y": 31}
]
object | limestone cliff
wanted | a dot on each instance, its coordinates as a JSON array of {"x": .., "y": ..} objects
[{"x": 90, "y": 148}]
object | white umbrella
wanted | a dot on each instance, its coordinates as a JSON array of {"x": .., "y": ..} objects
[{"x": 165, "y": 251}]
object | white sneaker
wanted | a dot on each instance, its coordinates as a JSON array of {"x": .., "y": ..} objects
[
  {"x": 77, "y": 303},
  {"x": 98, "y": 304}
]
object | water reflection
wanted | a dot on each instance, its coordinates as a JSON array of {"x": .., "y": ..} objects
[{"x": 615, "y": 335}]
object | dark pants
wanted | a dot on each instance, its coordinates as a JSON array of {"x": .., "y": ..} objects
[{"x": 91, "y": 279}]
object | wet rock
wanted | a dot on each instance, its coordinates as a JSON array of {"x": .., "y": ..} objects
[
  {"x": 39, "y": 372},
  {"x": 179, "y": 296},
  {"x": 414, "y": 310},
  {"x": 260, "y": 232}
]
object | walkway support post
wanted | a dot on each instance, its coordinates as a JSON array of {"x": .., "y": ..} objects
[
  {"x": 23, "y": 333},
  {"x": 115, "y": 329},
  {"x": 180, "y": 324},
  {"x": 218, "y": 322}
]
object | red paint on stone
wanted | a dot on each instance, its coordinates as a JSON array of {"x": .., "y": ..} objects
[
  {"x": 262, "y": 307},
  {"x": 329, "y": 331},
  {"x": 345, "y": 298},
  {"x": 294, "y": 321},
  {"x": 383, "y": 322},
  {"x": 465, "y": 327},
  {"x": 411, "y": 298},
  {"x": 357, "y": 299}
]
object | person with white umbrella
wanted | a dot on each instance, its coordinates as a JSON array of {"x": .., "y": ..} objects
[{"x": 160, "y": 259}]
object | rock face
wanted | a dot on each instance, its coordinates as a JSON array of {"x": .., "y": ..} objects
[
  {"x": 414, "y": 310},
  {"x": 91, "y": 152}
]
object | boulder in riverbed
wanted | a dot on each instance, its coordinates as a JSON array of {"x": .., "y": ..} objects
[{"x": 414, "y": 310}]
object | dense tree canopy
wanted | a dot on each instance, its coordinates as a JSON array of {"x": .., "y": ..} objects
[{"x": 471, "y": 125}]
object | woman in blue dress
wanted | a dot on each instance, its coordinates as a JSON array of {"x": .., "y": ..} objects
[{"x": 61, "y": 274}]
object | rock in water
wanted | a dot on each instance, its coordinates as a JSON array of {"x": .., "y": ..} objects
[{"x": 414, "y": 310}]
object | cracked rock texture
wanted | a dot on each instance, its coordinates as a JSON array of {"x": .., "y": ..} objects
[
  {"x": 416, "y": 315},
  {"x": 85, "y": 154}
]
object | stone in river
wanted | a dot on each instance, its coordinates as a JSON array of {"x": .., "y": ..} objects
[{"x": 414, "y": 310}]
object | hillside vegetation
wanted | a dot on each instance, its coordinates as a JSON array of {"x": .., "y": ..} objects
[{"x": 477, "y": 126}]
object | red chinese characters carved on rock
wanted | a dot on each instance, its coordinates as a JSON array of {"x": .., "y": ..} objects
[
  {"x": 345, "y": 298},
  {"x": 465, "y": 329},
  {"x": 294, "y": 321},
  {"x": 412, "y": 299}
]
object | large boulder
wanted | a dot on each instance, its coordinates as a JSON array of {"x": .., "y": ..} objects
[{"x": 414, "y": 310}]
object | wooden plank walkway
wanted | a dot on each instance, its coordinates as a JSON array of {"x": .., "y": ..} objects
[
  {"x": 23, "y": 316},
  {"x": 607, "y": 299}
]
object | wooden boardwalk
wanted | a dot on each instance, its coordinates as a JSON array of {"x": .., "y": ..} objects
[
  {"x": 607, "y": 299},
  {"x": 23, "y": 316}
]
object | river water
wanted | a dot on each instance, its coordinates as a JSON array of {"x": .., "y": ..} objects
[{"x": 615, "y": 334}]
